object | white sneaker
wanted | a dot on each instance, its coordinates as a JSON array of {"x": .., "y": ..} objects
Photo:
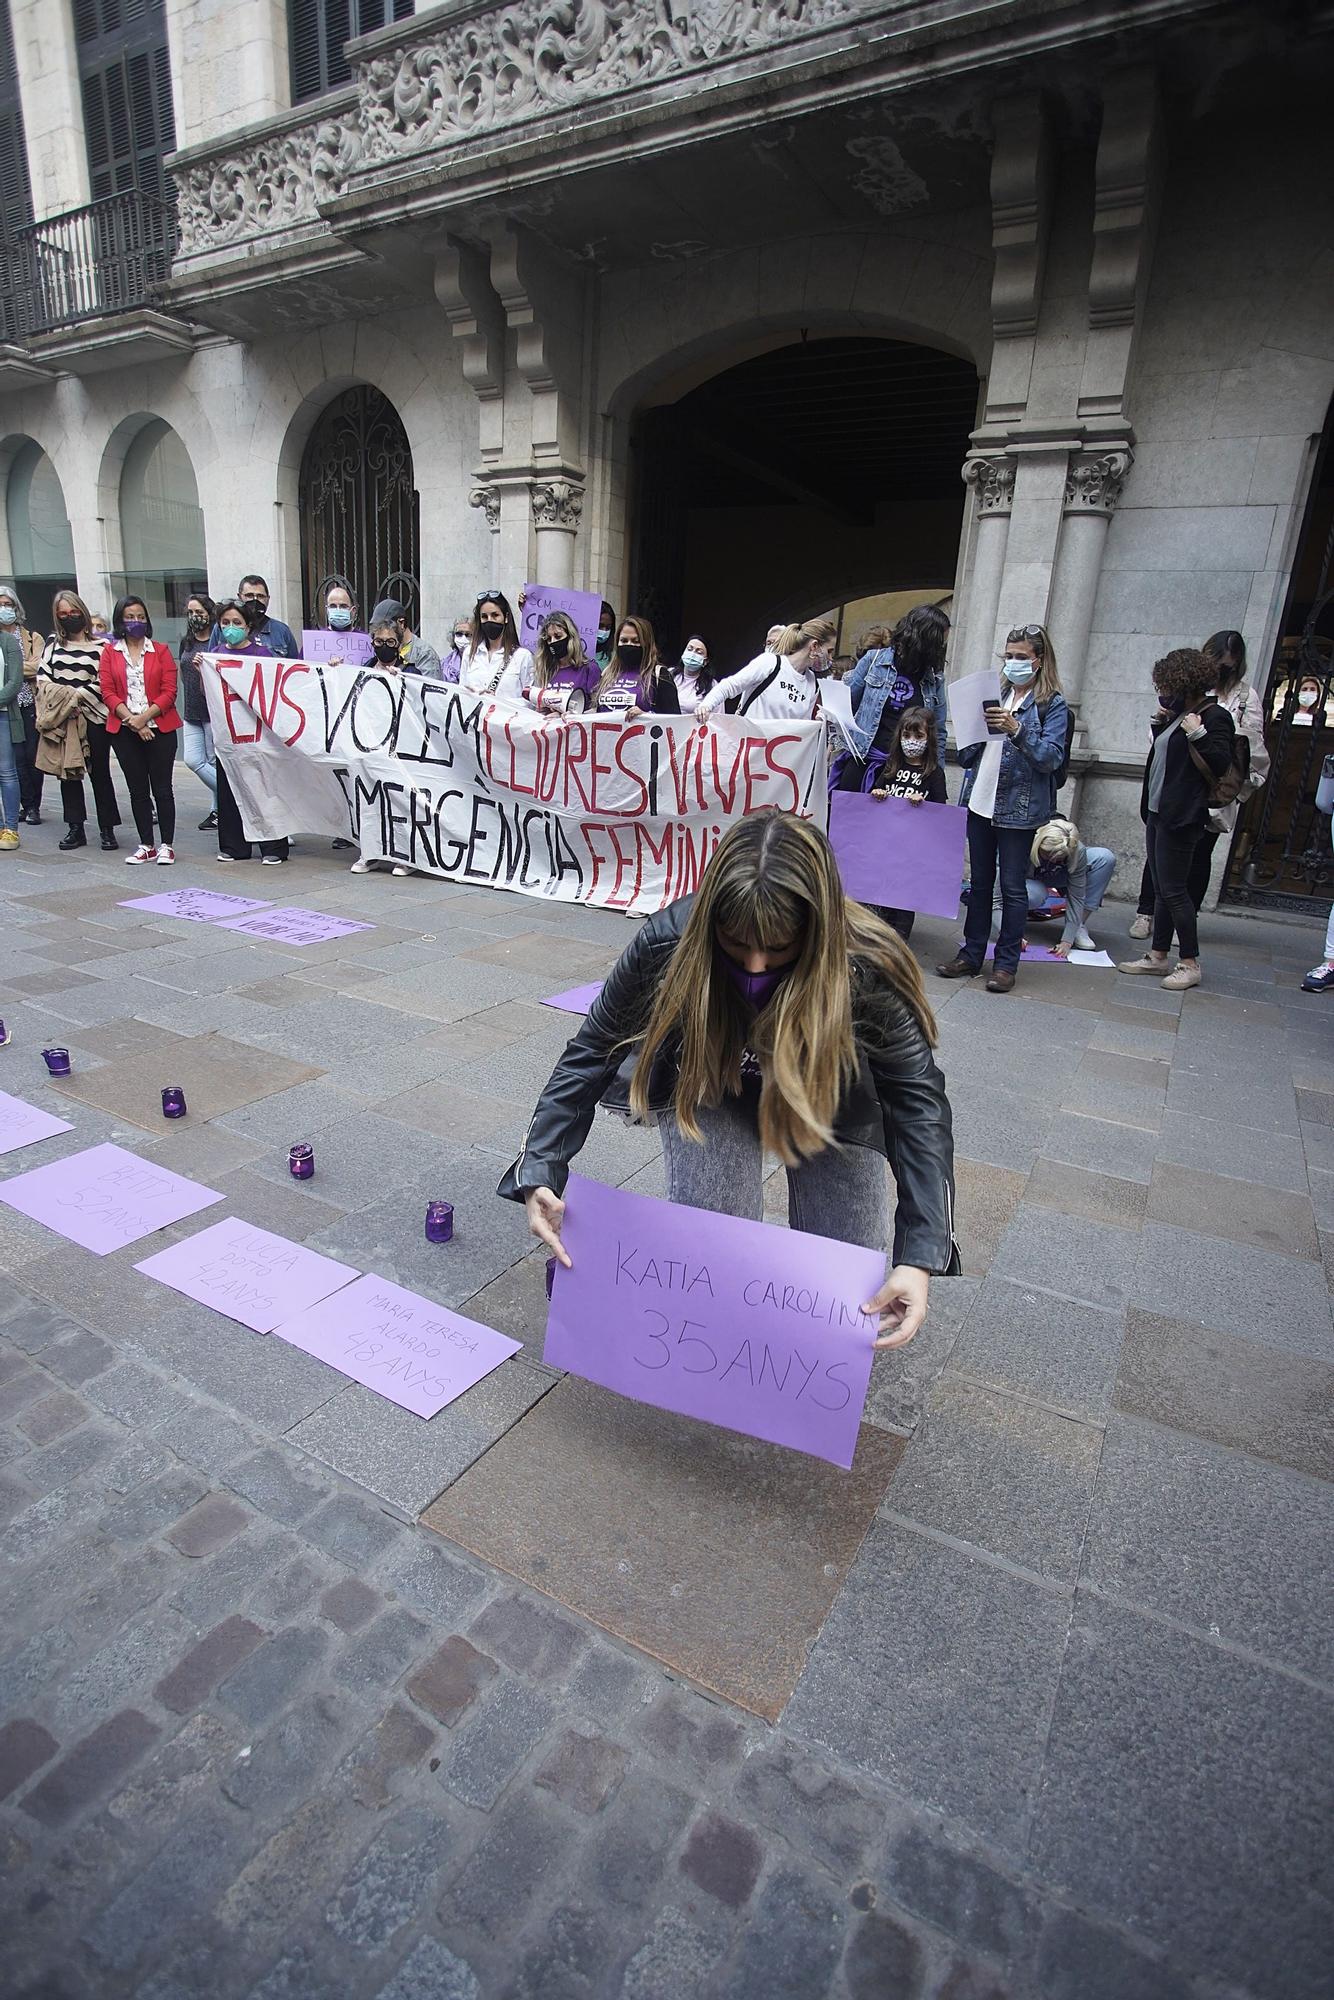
[
  {"x": 166, "y": 856},
  {"x": 272, "y": 860},
  {"x": 1142, "y": 927},
  {"x": 1182, "y": 979},
  {"x": 140, "y": 855},
  {"x": 360, "y": 868},
  {"x": 1084, "y": 942},
  {"x": 400, "y": 871}
]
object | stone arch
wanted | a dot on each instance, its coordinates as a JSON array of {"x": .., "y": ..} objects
[{"x": 49, "y": 553}]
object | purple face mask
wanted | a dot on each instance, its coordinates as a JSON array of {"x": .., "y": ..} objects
[
  {"x": 136, "y": 628},
  {"x": 756, "y": 987}
]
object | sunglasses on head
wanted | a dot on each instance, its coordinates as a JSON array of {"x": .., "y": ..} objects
[{"x": 1033, "y": 634}]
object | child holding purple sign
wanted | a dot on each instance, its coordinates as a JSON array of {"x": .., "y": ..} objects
[
  {"x": 767, "y": 1013},
  {"x": 910, "y": 769}
]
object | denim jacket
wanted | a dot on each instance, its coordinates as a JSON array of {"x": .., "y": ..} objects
[
  {"x": 871, "y": 684},
  {"x": 1026, "y": 787}
]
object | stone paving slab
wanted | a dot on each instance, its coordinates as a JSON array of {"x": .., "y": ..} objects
[
  {"x": 217, "y": 1075},
  {"x": 716, "y": 1554}
]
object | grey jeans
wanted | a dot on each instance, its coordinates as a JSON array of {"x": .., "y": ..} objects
[{"x": 842, "y": 1193}]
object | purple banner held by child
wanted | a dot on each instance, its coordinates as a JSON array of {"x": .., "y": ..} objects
[
  {"x": 896, "y": 854},
  {"x": 740, "y": 1324}
]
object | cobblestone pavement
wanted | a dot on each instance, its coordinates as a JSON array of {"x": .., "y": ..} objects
[{"x": 1067, "y": 1729}]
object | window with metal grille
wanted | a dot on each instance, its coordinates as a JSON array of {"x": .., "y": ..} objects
[
  {"x": 316, "y": 33},
  {"x": 15, "y": 190},
  {"x": 125, "y": 77}
]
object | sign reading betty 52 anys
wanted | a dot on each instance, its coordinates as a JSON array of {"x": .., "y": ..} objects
[{"x": 580, "y": 809}]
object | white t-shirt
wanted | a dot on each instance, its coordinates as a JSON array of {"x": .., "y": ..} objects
[
  {"x": 982, "y": 798},
  {"x": 482, "y": 673},
  {"x": 787, "y": 695}
]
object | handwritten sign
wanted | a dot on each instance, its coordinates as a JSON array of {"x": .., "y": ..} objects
[
  {"x": 23, "y": 1124},
  {"x": 197, "y": 906},
  {"x": 408, "y": 1349},
  {"x": 293, "y": 926},
  {"x": 902, "y": 856},
  {"x": 582, "y": 607},
  {"x": 747, "y": 1326},
  {"x": 105, "y": 1198},
  {"x": 353, "y": 648},
  {"x": 577, "y": 1001},
  {"x": 964, "y": 699},
  {"x": 247, "y": 1274}
]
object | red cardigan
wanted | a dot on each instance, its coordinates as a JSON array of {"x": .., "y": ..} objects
[{"x": 159, "y": 682}]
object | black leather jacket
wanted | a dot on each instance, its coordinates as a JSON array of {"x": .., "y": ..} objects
[{"x": 896, "y": 1104}]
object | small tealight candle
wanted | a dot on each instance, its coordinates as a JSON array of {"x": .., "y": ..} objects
[
  {"x": 439, "y": 1221},
  {"x": 57, "y": 1061},
  {"x": 301, "y": 1163},
  {"x": 173, "y": 1101}
]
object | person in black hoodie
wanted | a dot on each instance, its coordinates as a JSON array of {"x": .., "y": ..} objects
[{"x": 1193, "y": 738}]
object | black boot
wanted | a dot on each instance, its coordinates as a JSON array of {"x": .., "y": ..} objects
[
  {"x": 74, "y": 837},
  {"x": 109, "y": 841}
]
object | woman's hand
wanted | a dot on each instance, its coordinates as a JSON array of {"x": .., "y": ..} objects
[
  {"x": 880, "y": 795},
  {"x": 1061, "y": 950},
  {"x": 1005, "y": 722},
  {"x": 900, "y": 1305},
  {"x": 917, "y": 798},
  {"x": 1191, "y": 725},
  {"x": 546, "y": 1212}
]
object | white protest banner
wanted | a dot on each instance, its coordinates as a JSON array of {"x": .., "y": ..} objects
[
  {"x": 964, "y": 699},
  {"x": 576, "y": 809}
]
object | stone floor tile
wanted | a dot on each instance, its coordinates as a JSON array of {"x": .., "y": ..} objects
[
  {"x": 1091, "y": 1261},
  {"x": 985, "y": 1202},
  {"x": 1000, "y": 1128},
  {"x": 1200, "y": 1091},
  {"x": 1137, "y": 1104},
  {"x": 1213, "y": 1205},
  {"x": 1231, "y": 1288},
  {"x": 1052, "y": 1350},
  {"x": 1002, "y": 1474},
  {"x": 515, "y": 1303},
  {"x": 218, "y": 1074},
  {"x": 1150, "y": 1841},
  {"x": 972, "y": 1653},
  {"x": 1099, "y": 1197},
  {"x": 1224, "y": 1147},
  {"x": 901, "y": 1378}
]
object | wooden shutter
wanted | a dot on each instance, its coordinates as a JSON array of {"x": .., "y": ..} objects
[
  {"x": 15, "y": 188},
  {"x": 125, "y": 73},
  {"x": 317, "y": 31}
]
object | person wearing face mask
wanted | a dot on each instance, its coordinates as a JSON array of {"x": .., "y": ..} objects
[
  {"x": 1193, "y": 739},
  {"x": 637, "y": 682},
  {"x": 694, "y": 677},
  {"x": 339, "y": 614},
  {"x": 196, "y": 729},
  {"x": 386, "y": 641},
  {"x": 252, "y": 602},
  {"x": 238, "y": 640},
  {"x": 1059, "y": 860},
  {"x": 13, "y": 623},
  {"x": 452, "y": 664},
  {"x": 71, "y": 723},
  {"x": 138, "y": 680},
  {"x": 908, "y": 671},
  {"x": 778, "y": 686},
  {"x": 497, "y": 665},
  {"x": 414, "y": 655},
  {"x": 606, "y": 644},
  {"x": 565, "y": 680},
  {"x": 1309, "y": 711},
  {"x": 1010, "y": 791},
  {"x": 768, "y": 1014},
  {"x": 908, "y": 769}
]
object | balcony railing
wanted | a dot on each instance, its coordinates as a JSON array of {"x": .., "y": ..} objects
[{"x": 111, "y": 257}]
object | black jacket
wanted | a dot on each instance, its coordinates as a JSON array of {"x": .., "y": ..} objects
[
  {"x": 896, "y": 1105},
  {"x": 1185, "y": 796}
]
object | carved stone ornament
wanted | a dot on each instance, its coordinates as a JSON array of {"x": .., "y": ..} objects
[
  {"x": 994, "y": 480},
  {"x": 557, "y": 503},
  {"x": 487, "y": 497},
  {"x": 275, "y": 186},
  {"x": 1093, "y": 485}
]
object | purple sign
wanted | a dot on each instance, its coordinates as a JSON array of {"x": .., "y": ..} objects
[
  {"x": 577, "y": 1001},
  {"x": 23, "y": 1124},
  {"x": 247, "y": 1274},
  {"x": 582, "y": 607},
  {"x": 351, "y": 649},
  {"x": 902, "y": 856},
  {"x": 408, "y": 1349},
  {"x": 741, "y": 1324},
  {"x": 293, "y": 926},
  {"x": 199, "y": 906},
  {"x": 105, "y": 1198}
]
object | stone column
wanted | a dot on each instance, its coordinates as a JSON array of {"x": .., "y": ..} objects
[
  {"x": 557, "y": 507},
  {"x": 1092, "y": 488},
  {"x": 488, "y": 499},
  {"x": 46, "y": 60},
  {"x": 993, "y": 480},
  {"x": 203, "y": 38}
]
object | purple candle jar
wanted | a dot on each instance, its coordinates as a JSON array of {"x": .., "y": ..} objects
[
  {"x": 4, "y": 1034},
  {"x": 173, "y": 1101},
  {"x": 57, "y": 1061},
  {"x": 551, "y": 1274},
  {"x": 301, "y": 1163},
  {"x": 439, "y": 1221}
]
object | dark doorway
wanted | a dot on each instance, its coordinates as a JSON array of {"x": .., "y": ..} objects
[
  {"x": 819, "y": 472},
  {"x": 359, "y": 511},
  {"x": 1281, "y": 857}
]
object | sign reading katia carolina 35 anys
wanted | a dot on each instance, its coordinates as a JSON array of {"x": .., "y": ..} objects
[{"x": 577, "y": 809}]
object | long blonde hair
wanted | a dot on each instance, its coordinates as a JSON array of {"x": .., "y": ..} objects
[
  {"x": 774, "y": 881},
  {"x": 815, "y": 631},
  {"x": 1047, "y": 681},
  {"x": 544, "y": 662}
]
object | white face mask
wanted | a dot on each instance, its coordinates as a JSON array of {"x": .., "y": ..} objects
[
  {"x": 912, "y": 746},
  {"x": 1308, "y": 698},
  {"x": 692, "y": 662}
]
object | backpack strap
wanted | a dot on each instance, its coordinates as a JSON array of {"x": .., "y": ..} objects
[{"x": 748, "y": 701}]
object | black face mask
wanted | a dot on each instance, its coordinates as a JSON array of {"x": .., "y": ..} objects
[
  {"x": 255, "y": 612},
  {"x": 492, "y": 629},
  {"x": 70, "y": 623},
  {"x": 199, "y": 621},
  {"x": 630, "y": 657},
  {"x": 1171, "y": 704},
  {"x": 558, "y": 646},
  {"x": 386, "y": 650}
]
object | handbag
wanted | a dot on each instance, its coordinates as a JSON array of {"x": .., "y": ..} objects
[{"x": 1324, "y": 791}]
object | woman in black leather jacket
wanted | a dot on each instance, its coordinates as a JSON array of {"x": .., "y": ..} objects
[{"x": 768, "y": 1013}]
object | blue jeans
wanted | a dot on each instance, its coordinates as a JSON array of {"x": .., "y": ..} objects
[
  {"x": 991, "y": 847},
  {"x": 9, "y": 776},
  {"x": 197, "y": 749}
]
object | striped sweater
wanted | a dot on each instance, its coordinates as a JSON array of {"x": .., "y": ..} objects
[{"x": 73, "y": 663}]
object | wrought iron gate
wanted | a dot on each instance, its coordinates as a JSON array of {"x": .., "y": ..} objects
[{"x": 359, "y": 508}]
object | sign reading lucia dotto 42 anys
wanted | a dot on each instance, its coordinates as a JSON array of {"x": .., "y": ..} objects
[{"x": 579, "y": 809}]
